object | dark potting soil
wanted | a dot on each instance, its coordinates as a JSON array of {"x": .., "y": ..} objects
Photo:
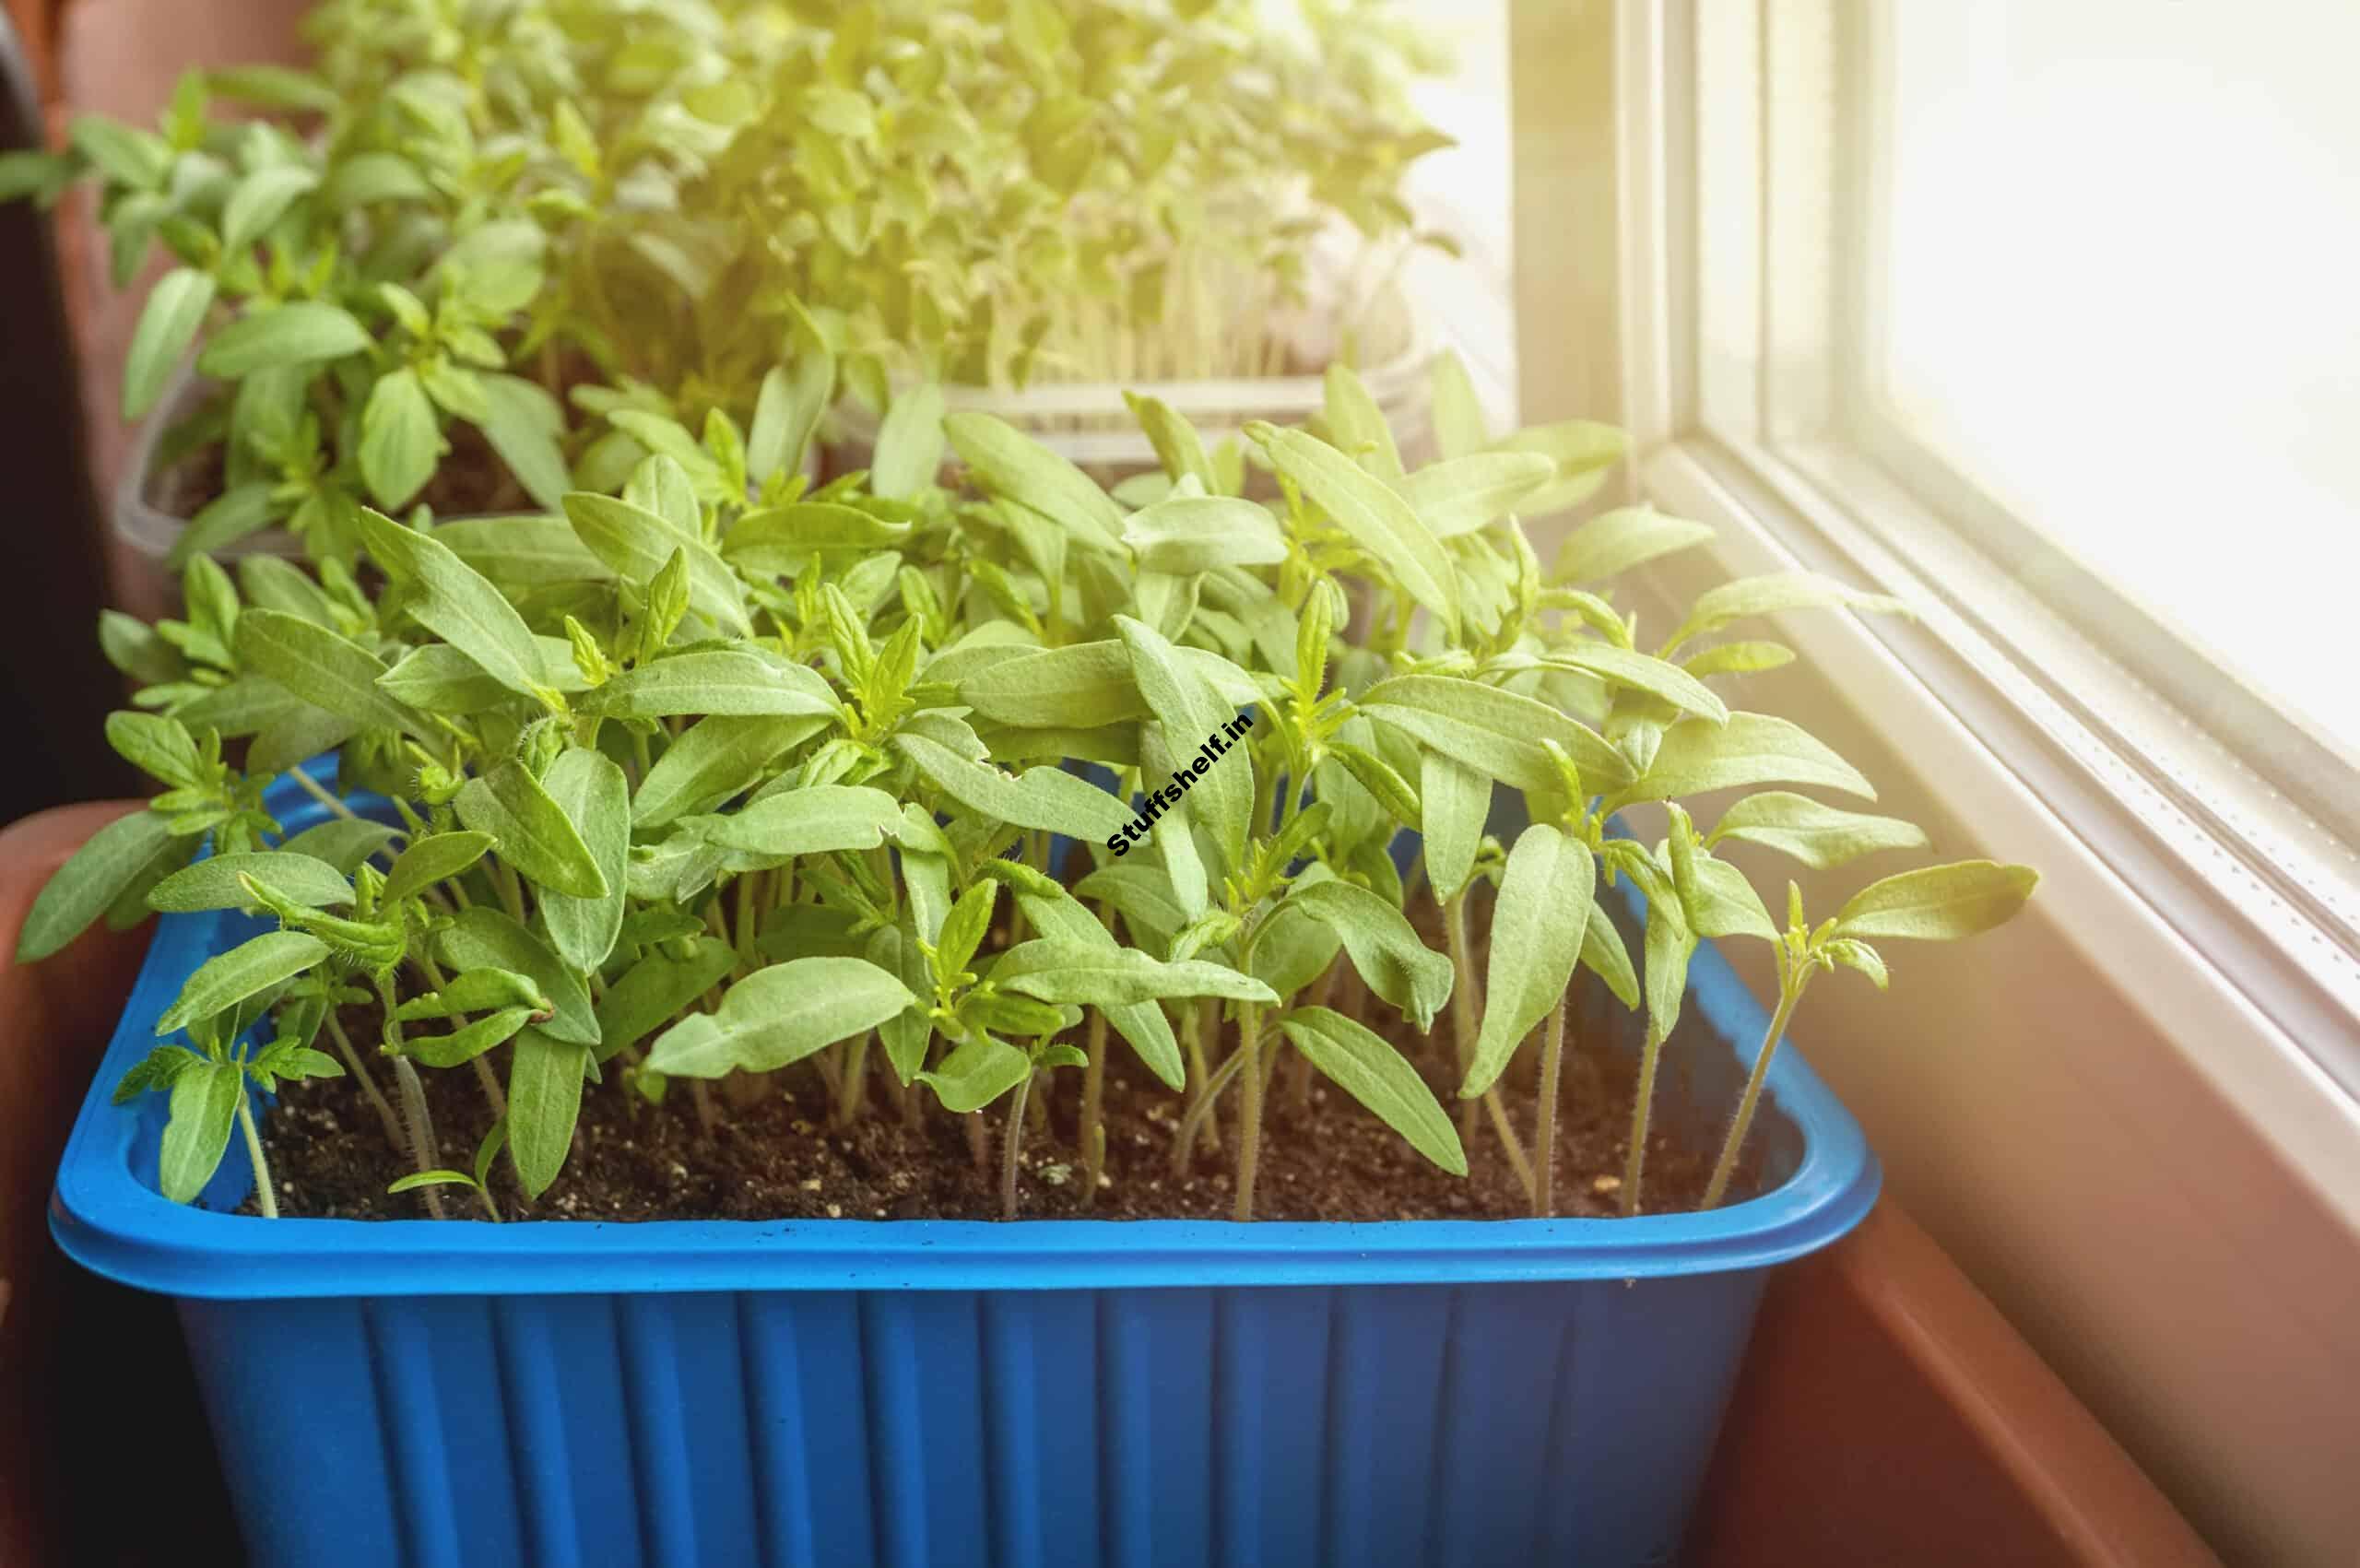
[{"x": 773, "y": 1151}]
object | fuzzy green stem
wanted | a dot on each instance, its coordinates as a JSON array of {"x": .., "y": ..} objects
[
  {"x": 1250, "y": 1121},
  {"x": 1739, "y": 1124},
  {"x": 1201, "y": 1109},
  {"x": 265, "y": 1199},
  {"x": 1197, "y": 1022},
  {"x": 1093, "y": 1099},
  {"x": 1462, "y": 1001},
  {"x": 376, "y": 1097},
  {"x": 311, "y": 788},
  {"x": 1634, "y": 1162},
  {"x": 1544, "y": 1131},
  {"x": 422, "y": 1129},
  {"x": 1012, "y": 1146},
  {"x": 852, "y": 1093},
  {"x": 1496, "y": 1109}
]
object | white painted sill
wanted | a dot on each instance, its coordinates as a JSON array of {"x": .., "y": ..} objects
[{"x": 2157, "y": 1183}]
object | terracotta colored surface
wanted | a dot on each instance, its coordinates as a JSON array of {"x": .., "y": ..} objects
[
  {"x": 1888, "y": 1414},
  {"x": 55, "y": 1017}
]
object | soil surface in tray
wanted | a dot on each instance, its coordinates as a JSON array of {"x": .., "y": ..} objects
[{"x": 773, "y": 1151}]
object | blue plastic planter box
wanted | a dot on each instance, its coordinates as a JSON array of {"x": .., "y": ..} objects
[{"x": 927, "y": 1394}]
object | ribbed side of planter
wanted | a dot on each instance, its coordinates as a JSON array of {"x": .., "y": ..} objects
[{"x": 1350, "y": 1425}]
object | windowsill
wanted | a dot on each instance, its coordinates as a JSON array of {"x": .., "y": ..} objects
[{"x": 2150, "y": 1176}]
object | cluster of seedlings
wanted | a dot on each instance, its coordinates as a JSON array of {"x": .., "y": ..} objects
[{"x": 722, "y": 774}]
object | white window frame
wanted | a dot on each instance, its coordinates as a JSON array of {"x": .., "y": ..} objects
[{"x": 2134, "y": 1115}]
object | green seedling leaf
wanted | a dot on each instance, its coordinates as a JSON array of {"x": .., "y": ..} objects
[
  {"x": 1083, "y": 686},
  {"x": 1221, "y": 798},
  {"x": 1537, "y": 929},
  {"x": 482, "y": 937},
  {"x": 783, "y": 539},
  {"x": 1375, "y": 517},
  {"x": 1455, "y": 804},
  {"x": 1938, "y": 903},
  {"x": 159, "y": 746},
  {"x": 531, "y": 832},
  {"x": 467, "y": 1042},
  {"x": 1583, "y": 449},
  {"x": 1821, "y": 837},
  {"x": 544, "y": 1101},
  {"x": 1366, "y": 1066},
  {"x": 260, "y": 200},
  {"x": 1613, "y": 543},
  {"x": 1773, "y": 594},
  {"x": 1496, "y": 732},
  {"x": 342, "y": 842},
  {"x": 475, "y": 991},
  {"x": 713, "y": 760},
  {"x": 302, "y": 333},
  {"x": 1604, "y": 955},
  {"x": 1460, "y": 495},
  {"x": 168, "y": 325},
  {"x": 1637, "y": 672},
  {"x": 1669, "y": 945},
  {"x": 1720, "y": 902},
  {"x": 1738, "y": 658},
  {"x": 714, "y": 682},
  {"x": 814, "y": 819},
  {"x": 1049, "y": 799},
  {"x": 1186, "y": 535},
  {"x": 909, "y": 445},
  {"x": 1008, "y": 463},
  {"x": 157, "y": 1070},
  {"x": 1059, "y": 918},
  {"x": 1385, "y": 947},
  {"x": 780, "y": 1014},
  {"x": 212, "y": 883},
  {"x": 524, "y": 552},
  {"x": 330, "y": 672},
  {"x": 525, "y": 427},
  {"x": 1357, "y": 426},
  {"x": 247, "y": 970},
  {"x": 590, "y": 790},
  {"x": 429, "y": 861},
  {"x": 636, "y": 543},
  {"x": 1858, "y": 956},
  {"x": 458, "y": 604},
  {"x": 205, "y": 1096},
  {"x": 976, "y": 1074},
  {"x": 655, "y": 990},
  {"x": 1750, "y": 749},
  {"x": 1459, "y": 429},
  {"x": 439, "y": 679},
  {"x": 1177, "y": 446},
  {"x": 1054, "y": 970}
]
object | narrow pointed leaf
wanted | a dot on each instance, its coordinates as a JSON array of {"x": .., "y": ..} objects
[
  {"x": 1366, "y": 1067},
  {"x": 532, "y": 832},
  {"x": 212, "y": 883},
  {"x": 544, "y": 1102},
  {"x": 1939, "y": 903},
  {"x": 589, "y": 788},
  {"x": 1538, "y": 924},
  {"x": 1371, "y": 512},
  {"x": 780, "y": 1014},
  {"x": 247, "y": 970}
]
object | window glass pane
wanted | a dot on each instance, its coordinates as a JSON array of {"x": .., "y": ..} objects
[{"x": 2122, "y": 277}]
